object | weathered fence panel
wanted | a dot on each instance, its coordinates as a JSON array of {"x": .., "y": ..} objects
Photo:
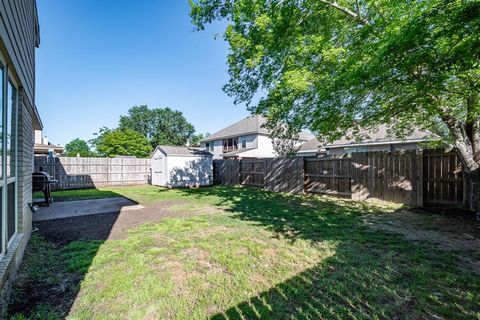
[
  {"x": 442, "y": 178},
  {"x": 328, "y": 176},
  {"x": 252, "y": 172},
  {"x": 411, "y": 177},
  {"x": 230, "y": 172},
  {"x": 385, "y": 175},
  {"x": 77, "y": 172},
  {"x": 218, "y": 167},
  {"x": 284, "y": 175}
]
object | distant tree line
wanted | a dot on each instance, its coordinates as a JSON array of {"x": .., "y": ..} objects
[{"x": 137, "y": 134}]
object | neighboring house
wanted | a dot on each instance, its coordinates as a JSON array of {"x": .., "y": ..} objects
[
  {"x": 378, "y": 139},
  {"x": 181, "y": 167},
  {"x": 247, "y": 138},
  {"x": 44, "y": 147},
  {"x": 311, "y": 148},
  {"x": 19, "y": 35}
]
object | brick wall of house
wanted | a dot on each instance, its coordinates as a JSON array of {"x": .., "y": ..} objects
[{"x": 10, "y": 263}]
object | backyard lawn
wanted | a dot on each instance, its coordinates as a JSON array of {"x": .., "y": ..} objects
[{"x": 239, "y": 253}]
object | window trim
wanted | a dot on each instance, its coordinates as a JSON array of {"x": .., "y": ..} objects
[
  {"x": 5, "y": 180},
  {"x": 13, "y": 179},
  {"x": 3, "y": 185}
]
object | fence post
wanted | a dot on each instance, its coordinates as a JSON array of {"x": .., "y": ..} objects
[
  {"x": 419, "y": 177},
  {"x": 239, "y": 171},
  {"x": 108, "y": 171}
]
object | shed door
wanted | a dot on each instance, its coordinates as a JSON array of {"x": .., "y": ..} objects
[{"x": 158, "y": 170}]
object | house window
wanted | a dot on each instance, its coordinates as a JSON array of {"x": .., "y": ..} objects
[
  {"x": 8, "y": 159},
  {"x": 230, "y": 145},
  {"x": 209, "y": 146},
  {"x": 244, "y": 144}
]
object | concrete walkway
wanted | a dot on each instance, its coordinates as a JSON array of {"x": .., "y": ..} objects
[{"x": 68, "y": 209}]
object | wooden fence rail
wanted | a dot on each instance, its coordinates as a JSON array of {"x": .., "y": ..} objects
[
  {"x": 409, "y": 177},
  {"x": 77, "y": 172}
]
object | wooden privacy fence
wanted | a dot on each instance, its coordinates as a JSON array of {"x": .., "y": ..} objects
[
  {"x": 409, "y": 177},
  {"x": 252, "y": 172},
  {"x": 442, "y": 178},
  {"x": 388, "y": 176},
  {"x": 328, "y": 176},
  {"x": 77, "y": 172},
  {"x": 274, "y": 174}
]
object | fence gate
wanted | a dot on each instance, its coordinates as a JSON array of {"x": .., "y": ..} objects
[
  {"x": 217, "y": 171},
  {"x": 442, "y": 178},
  {"x": 252, "y": 173}
]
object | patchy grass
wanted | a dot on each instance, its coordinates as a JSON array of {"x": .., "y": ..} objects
[
  {"x": 140, "y": 194},
  {"x": 43, "y": 286},
  {"x": 251, "y": 254}
]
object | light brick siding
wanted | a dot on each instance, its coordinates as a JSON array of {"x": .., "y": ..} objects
[
  {"x": 25, "y": 169},
  {"x": 10, "y": 263}
]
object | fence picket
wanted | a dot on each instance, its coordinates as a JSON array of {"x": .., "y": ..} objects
[
  {"x": 77, "y": 172},
  {"x": 411, "y": 177}
]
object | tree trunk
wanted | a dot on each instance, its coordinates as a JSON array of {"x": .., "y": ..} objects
[
  {"x": 467, "y": 148},
  {"x": 472, "y": 190}
]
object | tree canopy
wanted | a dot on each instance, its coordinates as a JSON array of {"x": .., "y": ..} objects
[
  {"x": 78, "y": 147},
  {"x": 126, "y": 142},
  {"x": 161, "y": 126},
  {"x": 330, "y": 66}
]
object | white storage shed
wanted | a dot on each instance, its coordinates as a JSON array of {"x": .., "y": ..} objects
[{"x": 181, "y": 167}]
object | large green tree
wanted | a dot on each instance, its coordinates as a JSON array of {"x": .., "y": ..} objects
[
  {"x": 125, "y": 142},
  {"x": 78, "y": 147},
  {"x": 196, "y": 138},
  {"x": 334, "y": 65},
  {"x": 161, "y": 126}
]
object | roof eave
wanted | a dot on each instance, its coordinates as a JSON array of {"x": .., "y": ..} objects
[
  {"x": 208, "y": 139},
  {"x": 305, "y": 151},
  {"x": 189, "y": 155},
  {"x": 344, "y": 145}
]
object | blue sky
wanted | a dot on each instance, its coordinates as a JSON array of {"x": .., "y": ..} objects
[{"x": 98, "y": 58}]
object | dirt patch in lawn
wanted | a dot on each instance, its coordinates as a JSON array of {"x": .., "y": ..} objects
[
  {"x": 107, "y": 226},
  {"x": 447, "y": 232},
  {"x": 60, "y": 287}
]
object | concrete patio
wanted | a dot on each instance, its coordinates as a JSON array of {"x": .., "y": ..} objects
[{"x": 69, "y": 209}]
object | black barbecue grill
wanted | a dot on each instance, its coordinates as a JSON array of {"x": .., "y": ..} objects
[{"x": 41, "y": 181}]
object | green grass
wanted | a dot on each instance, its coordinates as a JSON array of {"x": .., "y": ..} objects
[
  {"x": 251, "y": 254},
  {"x": 141, "y": 194}
]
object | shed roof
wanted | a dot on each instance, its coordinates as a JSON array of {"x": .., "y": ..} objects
[
  {"x": 183, "y": 151},
  {"x": 249, "y": 125}
]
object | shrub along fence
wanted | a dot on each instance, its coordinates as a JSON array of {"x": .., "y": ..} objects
[
  {"x": 427, "y": 177},
  {"x": 77, "y": 172}
]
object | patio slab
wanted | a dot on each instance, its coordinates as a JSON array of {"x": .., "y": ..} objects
[{"x": 68, "y": 209}]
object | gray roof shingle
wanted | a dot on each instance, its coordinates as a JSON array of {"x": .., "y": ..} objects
[
  {"x": 249, "y": 125},
  {"x": 379, "y": 135},
  {"x": 310, "y": 145}
]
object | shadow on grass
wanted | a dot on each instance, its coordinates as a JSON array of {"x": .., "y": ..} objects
[
  {"x": 371, "y": 274},
  {"x": 58, "y": 257}
]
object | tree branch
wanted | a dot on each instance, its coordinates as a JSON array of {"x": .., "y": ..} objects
[{"x": 347, "y": 11}]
